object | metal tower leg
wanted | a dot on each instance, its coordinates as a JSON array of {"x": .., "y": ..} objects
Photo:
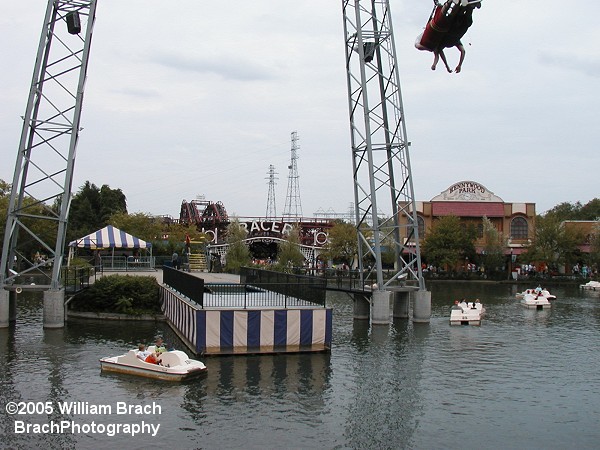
[
  {"x": 41, "y": 186},
  {"x": 380, "y": 155}
]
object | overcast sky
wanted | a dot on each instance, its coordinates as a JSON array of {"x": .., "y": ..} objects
[{"x": 192, "y": 97}]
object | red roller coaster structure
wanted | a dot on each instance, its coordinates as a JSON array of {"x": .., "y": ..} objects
[{"x": 203, "y": 214}]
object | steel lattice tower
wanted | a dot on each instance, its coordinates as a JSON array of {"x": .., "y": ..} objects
[
  {"x": 380, "y": 153},
  {"x": 271, "y": 206},
  {"x": 293, "y": 205},
  {"x": 41, "y": 186}
]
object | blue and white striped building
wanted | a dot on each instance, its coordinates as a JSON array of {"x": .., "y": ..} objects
[{"x": 212, "y": 331}]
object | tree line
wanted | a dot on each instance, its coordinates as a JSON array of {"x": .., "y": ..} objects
[
  {"x": 447, "y": 244},
  {"x": 450, "y": 245}
]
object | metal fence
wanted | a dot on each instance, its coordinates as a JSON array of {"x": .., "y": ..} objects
[
  {"x": 189, "y": 285},
  {"x": 127, "y": 263},
  {"x": 259, "y": 289},
  {"x": 301, "y": 287},
  {"x": 226, "y": 295},
  {"x": 75, "y": 279}
]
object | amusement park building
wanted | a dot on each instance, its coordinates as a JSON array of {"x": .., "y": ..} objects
[
  {"x": 263, "y": 234},
  {"x": 471, "y": 202}
]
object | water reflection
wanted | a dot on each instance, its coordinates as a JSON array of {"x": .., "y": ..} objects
[
  {"x": 360, "y": 335},
  {"x": 239, "y": 378},
  {"x": 386, "y": 413},
  {"x": 399, "y": 386},
  {"x": 8, "y": 390},
  {"x": 271, "y": 397}
]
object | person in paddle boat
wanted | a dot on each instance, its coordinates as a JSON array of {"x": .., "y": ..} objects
[
  {"x": 159, "y": 344},
  {"x": 153, "y": 358},
  {"x": 142, "y": 353},
  {"x": 457, "y": 306}
]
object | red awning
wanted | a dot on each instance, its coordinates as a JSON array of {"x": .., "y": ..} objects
[{"x": 468, "y": 209}]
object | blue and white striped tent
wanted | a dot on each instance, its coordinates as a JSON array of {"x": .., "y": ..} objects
[{"x": 110, "y": 237}]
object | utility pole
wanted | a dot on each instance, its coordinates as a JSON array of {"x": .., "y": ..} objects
[
  {"x": 380, "y": 154},
  {"x": 293, "y": 205},
  {"x": 271, "y": 206},
  {"x": 41, "y": 187}
]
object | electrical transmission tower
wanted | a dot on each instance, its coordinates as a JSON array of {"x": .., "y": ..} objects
[
  {"x": 41, "y": 187},
  {"x": 380, "y": 153},
  {"x": 293, "y": 206},
  {"x": 271, "y": 206}
]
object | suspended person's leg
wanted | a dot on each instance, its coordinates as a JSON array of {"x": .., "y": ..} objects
[
  {"x": 443, "y": 56},
  {"x": 462, "y": 51}
]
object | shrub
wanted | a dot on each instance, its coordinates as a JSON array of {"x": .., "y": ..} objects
[
  {"x": 80, "y": 262},
  {"x": 120, "y": 294}
]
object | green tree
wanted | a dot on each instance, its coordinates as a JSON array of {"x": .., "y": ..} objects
[
  {"x": 176, "y": 241},
  {"x": 564, "y": 211},
  {"x": 238, "y": 254},
  {"x": 4, "y": 199},
  {"x": 92, "y": 207},
  {"x": 111, "y": 201},
  {"x": 553, "y": 243},
  {"x": 46, "y": 230},
  {"x": 493, "y": 247},
  {"x": 141, "y": 225},
  {"x": 288, "y": 253},
  {"x": 591, "y": 210},
  {"x": 595, "y": 246},
  {"x": 342, "y": 243},
  {"x": 447, "y": 244},
  {"x": 4, "y": 188},
  {"x": 575, "y": 211}
]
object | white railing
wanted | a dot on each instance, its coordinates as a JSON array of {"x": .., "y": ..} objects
[{"x": 127, "y": 263}]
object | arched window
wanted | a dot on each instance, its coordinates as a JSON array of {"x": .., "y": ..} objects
[
  {"x": 519, "y": 228},
  {"x": 421, "y": 226},
  {"x": 480, "y": 230}
]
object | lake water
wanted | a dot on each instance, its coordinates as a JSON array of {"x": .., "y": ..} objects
[{"x": 525, "y": 379}]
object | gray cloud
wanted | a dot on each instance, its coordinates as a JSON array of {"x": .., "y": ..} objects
[
  {"x": 225, "y": 67},
  {"x": 138, "y": 92},
  {"x": 589, "y": 66}
]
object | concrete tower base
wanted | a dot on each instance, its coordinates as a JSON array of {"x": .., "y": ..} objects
[
  {"x": 422, "y": 307},
  {"x": 380, "y": 308},
  {"x": 4, "y": 308},
  {"x": 54, "y": 309},
  {"x": 12, "y": 307}
]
